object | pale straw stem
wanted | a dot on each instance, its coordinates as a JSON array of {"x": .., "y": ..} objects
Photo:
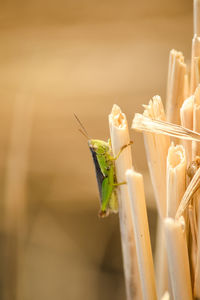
[
  {"x": 120, "y": 137},
  {"x": 141, "y": 230},
  {"x": 178, "y": 258}
]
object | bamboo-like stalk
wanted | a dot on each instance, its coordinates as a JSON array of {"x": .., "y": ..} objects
[
  {"x": 161, "y": 267},
  {"x": 196, "y": 17},
  {"x": 166, "y": 296},
  {"x": 195, "y": 243},
  {"x": 196, "y": 122},
  {"x": 176, "y": 178},
  {"x": 197, "y": 268},
  {"x": 175, "y": 86},
  {"x": 15, "y": 189},
  {"x": 186, "y": 90},
  {"x": 156, "y": 151},
  {"x": 141, "y": 230},
  {"x": 186, "y": 114},
  {"x": 194, "y": 81},
  {"x": 178, "y": 258},
  {"x": 120, "y": 137}
]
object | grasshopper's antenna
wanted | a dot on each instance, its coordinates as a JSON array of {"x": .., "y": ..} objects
[
  {"x": 82, "y": 129},
  {"x": 83, "y": 133}
]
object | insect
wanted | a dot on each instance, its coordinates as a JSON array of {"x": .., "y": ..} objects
[
  {"x": 105, "y": 171},
  {"x": 192, "y": 168}
]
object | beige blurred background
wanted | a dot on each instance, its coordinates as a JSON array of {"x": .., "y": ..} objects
[{"x": 65, "y": 57}]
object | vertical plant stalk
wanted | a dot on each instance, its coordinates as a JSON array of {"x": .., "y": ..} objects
[
  {"x": 141, "y": 230},
  {"x": 175, "y": 86},
  {"x": 194, "y": 80},
  {"x": 197, "y": 267},
  {"x": 176, "y": 178},
  {"x": 15, "y": 198},
  {"x": 196, "y": 17},
  {"x": 186, "y": 114},
  {"x": 120, "y": 137},
  {"x": 194, "y": 213},
  {"x": 186, "y": 91},
  {"x": 166, "y": 296},
  {"x": 178, "y": 258},
  {"x": 156, "y": 152},
  {"x": 196, "y": 122},
  {"x": 161, "y": 265}
]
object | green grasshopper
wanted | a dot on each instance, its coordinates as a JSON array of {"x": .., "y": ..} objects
[{"x": 105, "y": 172}]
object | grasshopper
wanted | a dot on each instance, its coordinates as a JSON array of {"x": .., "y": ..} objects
[{"x": 105, "y": 171}]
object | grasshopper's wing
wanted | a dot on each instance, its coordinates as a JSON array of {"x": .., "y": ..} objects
[{"x": 99, "y": 175}]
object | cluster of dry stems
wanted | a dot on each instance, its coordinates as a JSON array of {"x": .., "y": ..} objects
[{"x": 172, "y": 143}]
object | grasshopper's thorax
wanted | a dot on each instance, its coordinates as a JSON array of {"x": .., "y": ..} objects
[{"x": 102, "y": 151}]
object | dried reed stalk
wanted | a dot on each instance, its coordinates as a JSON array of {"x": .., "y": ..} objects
[
  {"x": 176, "y": 178},
  {"x": 197, "y": 261},
  {"x": 195, "y": 251},
  {"x": 161, "y": 265},
  {"x": 175, "y": 86},
  {"x": 194, "y": 209},
  {"x": 166, "y": 296},
  {"x": 196, "y": 17},
  {"x": 141, "y": 230},
  {"x": 186, "y": 90},
  {"x": 196, "y": 122},
  {"x": 186, "y": 114},
  {"x": 178, "y": 258},
  {"x": 15, "y": 189},
  {"x": 120, "y": 137},
  {"x": 194, "y": 81},
  {"x": 156, "y": 150},
  {"x": 195, "y": 47}
]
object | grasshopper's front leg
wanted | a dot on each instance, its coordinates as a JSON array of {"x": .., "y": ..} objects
[
  {"x": 122, "y": 148},
  {"x": 120, "y": 151},
  {"x": 120, "y": 183},
  {"x": 116, "y": 157}
]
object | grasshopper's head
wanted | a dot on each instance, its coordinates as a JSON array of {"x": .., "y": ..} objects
[{"x": 99, "y": 146}]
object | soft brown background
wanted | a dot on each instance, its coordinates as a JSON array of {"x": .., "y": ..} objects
[{"x": 79, "y": 56}]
